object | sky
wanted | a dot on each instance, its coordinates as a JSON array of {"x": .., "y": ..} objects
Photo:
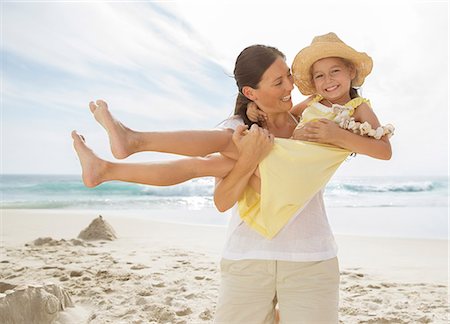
[{"x": 167, "y": 65}]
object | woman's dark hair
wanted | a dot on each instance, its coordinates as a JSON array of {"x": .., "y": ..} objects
[{"x": 248, "y": 70}]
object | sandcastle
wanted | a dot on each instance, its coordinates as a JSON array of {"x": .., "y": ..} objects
[
  {"x": 42, "y": 304},
  {"x": 33, "y": 303},
  {"x": 98, "y": 229}
]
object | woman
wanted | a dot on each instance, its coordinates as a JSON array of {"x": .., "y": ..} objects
[{"x": 298, "y": 267}]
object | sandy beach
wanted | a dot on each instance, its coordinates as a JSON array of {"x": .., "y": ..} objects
[{"x": 160, "y": 272}]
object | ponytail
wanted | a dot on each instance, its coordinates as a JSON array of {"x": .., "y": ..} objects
[{"x": 241, "y": 109}]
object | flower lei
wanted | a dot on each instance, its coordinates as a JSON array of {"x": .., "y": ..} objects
[{"x": 344, "y": 121}]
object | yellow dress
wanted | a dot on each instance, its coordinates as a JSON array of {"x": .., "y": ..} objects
[{"x": 291, "y": 175}]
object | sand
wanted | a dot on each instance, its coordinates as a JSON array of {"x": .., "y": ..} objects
[{"x": 159, "y": 272}]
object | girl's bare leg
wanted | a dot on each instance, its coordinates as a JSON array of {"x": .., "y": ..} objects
[
  {"x": 125, "y": 141},
  {"x": 96, "y": 170}
]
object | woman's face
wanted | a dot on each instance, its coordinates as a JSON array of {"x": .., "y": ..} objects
[
  {"x": 332, "y": 78},
  {"x": 273, "y": 94}
]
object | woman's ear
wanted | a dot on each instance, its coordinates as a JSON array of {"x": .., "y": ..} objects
[{"x": 249, "y": 92}]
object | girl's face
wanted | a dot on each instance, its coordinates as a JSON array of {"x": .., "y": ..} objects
[
  {"x": 273, "y": 94},
  {"x": 332, "y": 78}
]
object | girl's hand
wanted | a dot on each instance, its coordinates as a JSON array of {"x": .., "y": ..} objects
[
  {"x": 255, "y": 114},
  {"x": 253, "y": 145},
  {"x": 322, "y": 131}
]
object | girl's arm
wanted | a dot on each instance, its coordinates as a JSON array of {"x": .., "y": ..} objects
[
  {"x": 328, "y": 132},
  {"x": 379, "y": 149},
  {"x": 257, "y": 115},
  {"x": 252, "y": 148},
  {"x": 298, "y": 109}
]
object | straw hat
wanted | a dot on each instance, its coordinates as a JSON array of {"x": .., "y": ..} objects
[{"x": 328, "y": 45}]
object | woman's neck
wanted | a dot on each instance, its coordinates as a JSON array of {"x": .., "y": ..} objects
[{"x": 281, "y": 124}]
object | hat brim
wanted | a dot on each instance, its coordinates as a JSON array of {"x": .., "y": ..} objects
[{"x": 303, "y": 61}]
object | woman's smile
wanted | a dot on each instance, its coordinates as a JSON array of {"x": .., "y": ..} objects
[{"x": 286, "y": 98}]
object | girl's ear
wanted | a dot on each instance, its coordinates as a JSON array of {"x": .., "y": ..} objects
[
  {"x": 249, "y": 92},
  {"x": 352, "y": 73}
]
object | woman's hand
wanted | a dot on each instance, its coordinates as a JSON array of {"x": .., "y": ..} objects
[
  {"x": 253, "y": 145},
  {"x": 322, "y": 131}
]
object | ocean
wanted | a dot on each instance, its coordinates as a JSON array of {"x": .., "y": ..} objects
[{"x": 352, "y": 194}]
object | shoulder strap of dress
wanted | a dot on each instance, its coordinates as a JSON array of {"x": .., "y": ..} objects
[
  {"x": 317, "y": 98},
  {"x": 293, "y": 117},
  {"x": 356, "y": 102}
]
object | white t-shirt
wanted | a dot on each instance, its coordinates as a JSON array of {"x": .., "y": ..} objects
[{"x": 307, "y": 236}]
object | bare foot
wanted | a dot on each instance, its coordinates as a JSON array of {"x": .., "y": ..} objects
[
  {"x": 92, "y": 166},
  {"x": 120, "y": 136}
]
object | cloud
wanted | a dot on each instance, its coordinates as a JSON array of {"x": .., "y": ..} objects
[
  {"x": 167, "y": 65},
  {"x": 138, "y": 56}
]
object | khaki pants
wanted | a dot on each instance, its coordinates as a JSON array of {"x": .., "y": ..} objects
[{"x": 306, "y": 292}]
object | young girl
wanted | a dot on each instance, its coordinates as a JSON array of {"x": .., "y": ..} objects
[{"x": 327, "y": 68}]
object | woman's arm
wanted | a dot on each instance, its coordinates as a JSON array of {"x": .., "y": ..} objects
[
  {"x": 229, "y": 189},
  {"x": 328, "y": 132},
  {"x": 253, "y": 148}
]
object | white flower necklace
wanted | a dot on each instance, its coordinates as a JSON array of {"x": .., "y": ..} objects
[{"x": 344, "y": 121}]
